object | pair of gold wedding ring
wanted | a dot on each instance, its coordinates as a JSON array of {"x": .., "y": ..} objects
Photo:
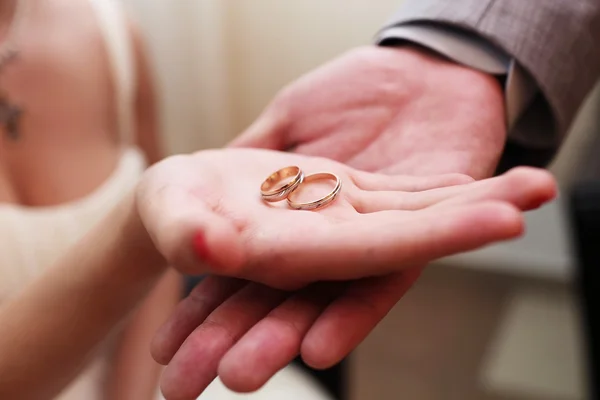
[{"x": 278, "y": 187}]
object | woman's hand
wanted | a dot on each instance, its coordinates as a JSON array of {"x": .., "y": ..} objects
[
  {"x": 378, "y": 224},
  {"x": 205, "y": 214}
]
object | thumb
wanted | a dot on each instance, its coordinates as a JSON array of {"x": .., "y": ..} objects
[
  {"x": 267, "y": 132},
  {"x": 191, "y": 236}
]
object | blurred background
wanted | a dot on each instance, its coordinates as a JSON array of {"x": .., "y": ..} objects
[{"x": 501, "y": 323}]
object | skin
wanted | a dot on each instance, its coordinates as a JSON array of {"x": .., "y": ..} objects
[
  {"x": 69, "y": 146},
  {"x": 68, "y": 120},
  {"x": 390, "y": 110}
]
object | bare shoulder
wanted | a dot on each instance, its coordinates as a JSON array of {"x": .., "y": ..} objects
[{"x": 73, "y": 15}]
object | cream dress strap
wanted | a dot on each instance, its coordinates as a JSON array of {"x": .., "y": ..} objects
[{"x": 112, "y": 20}]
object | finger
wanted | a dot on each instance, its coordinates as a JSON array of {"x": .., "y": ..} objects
[
  {"x": 526, "y": 188},
  {"x": 267, "y": 132},
  {"x": 349, "y": 319},
  {"x": 275, "y": 341},
  {"x": 406, "y": 183},
  {"x": 190, "y": 235},
  {"x": 386, "y": 242},
  {"x": 195, "y": 364},
  {"x": 190, "y": 313}
]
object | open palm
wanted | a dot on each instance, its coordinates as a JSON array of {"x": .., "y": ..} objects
[{"x": 378, "y": 224}]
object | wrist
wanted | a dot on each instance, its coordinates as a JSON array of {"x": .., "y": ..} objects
[
  {"x": 432, "y": 62},
  {"x": 429, "y": 66}
]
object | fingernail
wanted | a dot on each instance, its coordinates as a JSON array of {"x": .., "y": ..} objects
[{"x": 200, "y": 246}]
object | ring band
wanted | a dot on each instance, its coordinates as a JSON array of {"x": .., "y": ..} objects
[
  {"x": 271, "y": 189},
  {"x": 323, "y": 201}
]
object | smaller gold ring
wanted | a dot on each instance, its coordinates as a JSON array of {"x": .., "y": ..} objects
[
  {"x": 323, "y": 201},
  {"x": 272, "y": 190}
]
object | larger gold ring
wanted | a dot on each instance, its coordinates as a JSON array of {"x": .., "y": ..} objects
[
  {"x": 273, "y": 190},
  {"x": 323, "y": 201}
]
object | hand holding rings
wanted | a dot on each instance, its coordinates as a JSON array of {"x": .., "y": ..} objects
[{"x": 277, "y": 187}]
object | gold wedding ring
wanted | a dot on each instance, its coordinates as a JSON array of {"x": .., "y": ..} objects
[
  {"x": 274, "y": 187},
  {"x": 323, "y": 201}
]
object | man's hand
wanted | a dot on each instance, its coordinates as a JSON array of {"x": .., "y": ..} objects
[
  {"x": 398, "y": 110},
  {"x": 377, "y": 109}
]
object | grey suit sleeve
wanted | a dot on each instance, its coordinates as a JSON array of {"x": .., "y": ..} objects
[{"x": 552, "y": 40}]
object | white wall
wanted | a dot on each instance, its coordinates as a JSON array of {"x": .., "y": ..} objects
[{"x": 272, "y": 42}]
